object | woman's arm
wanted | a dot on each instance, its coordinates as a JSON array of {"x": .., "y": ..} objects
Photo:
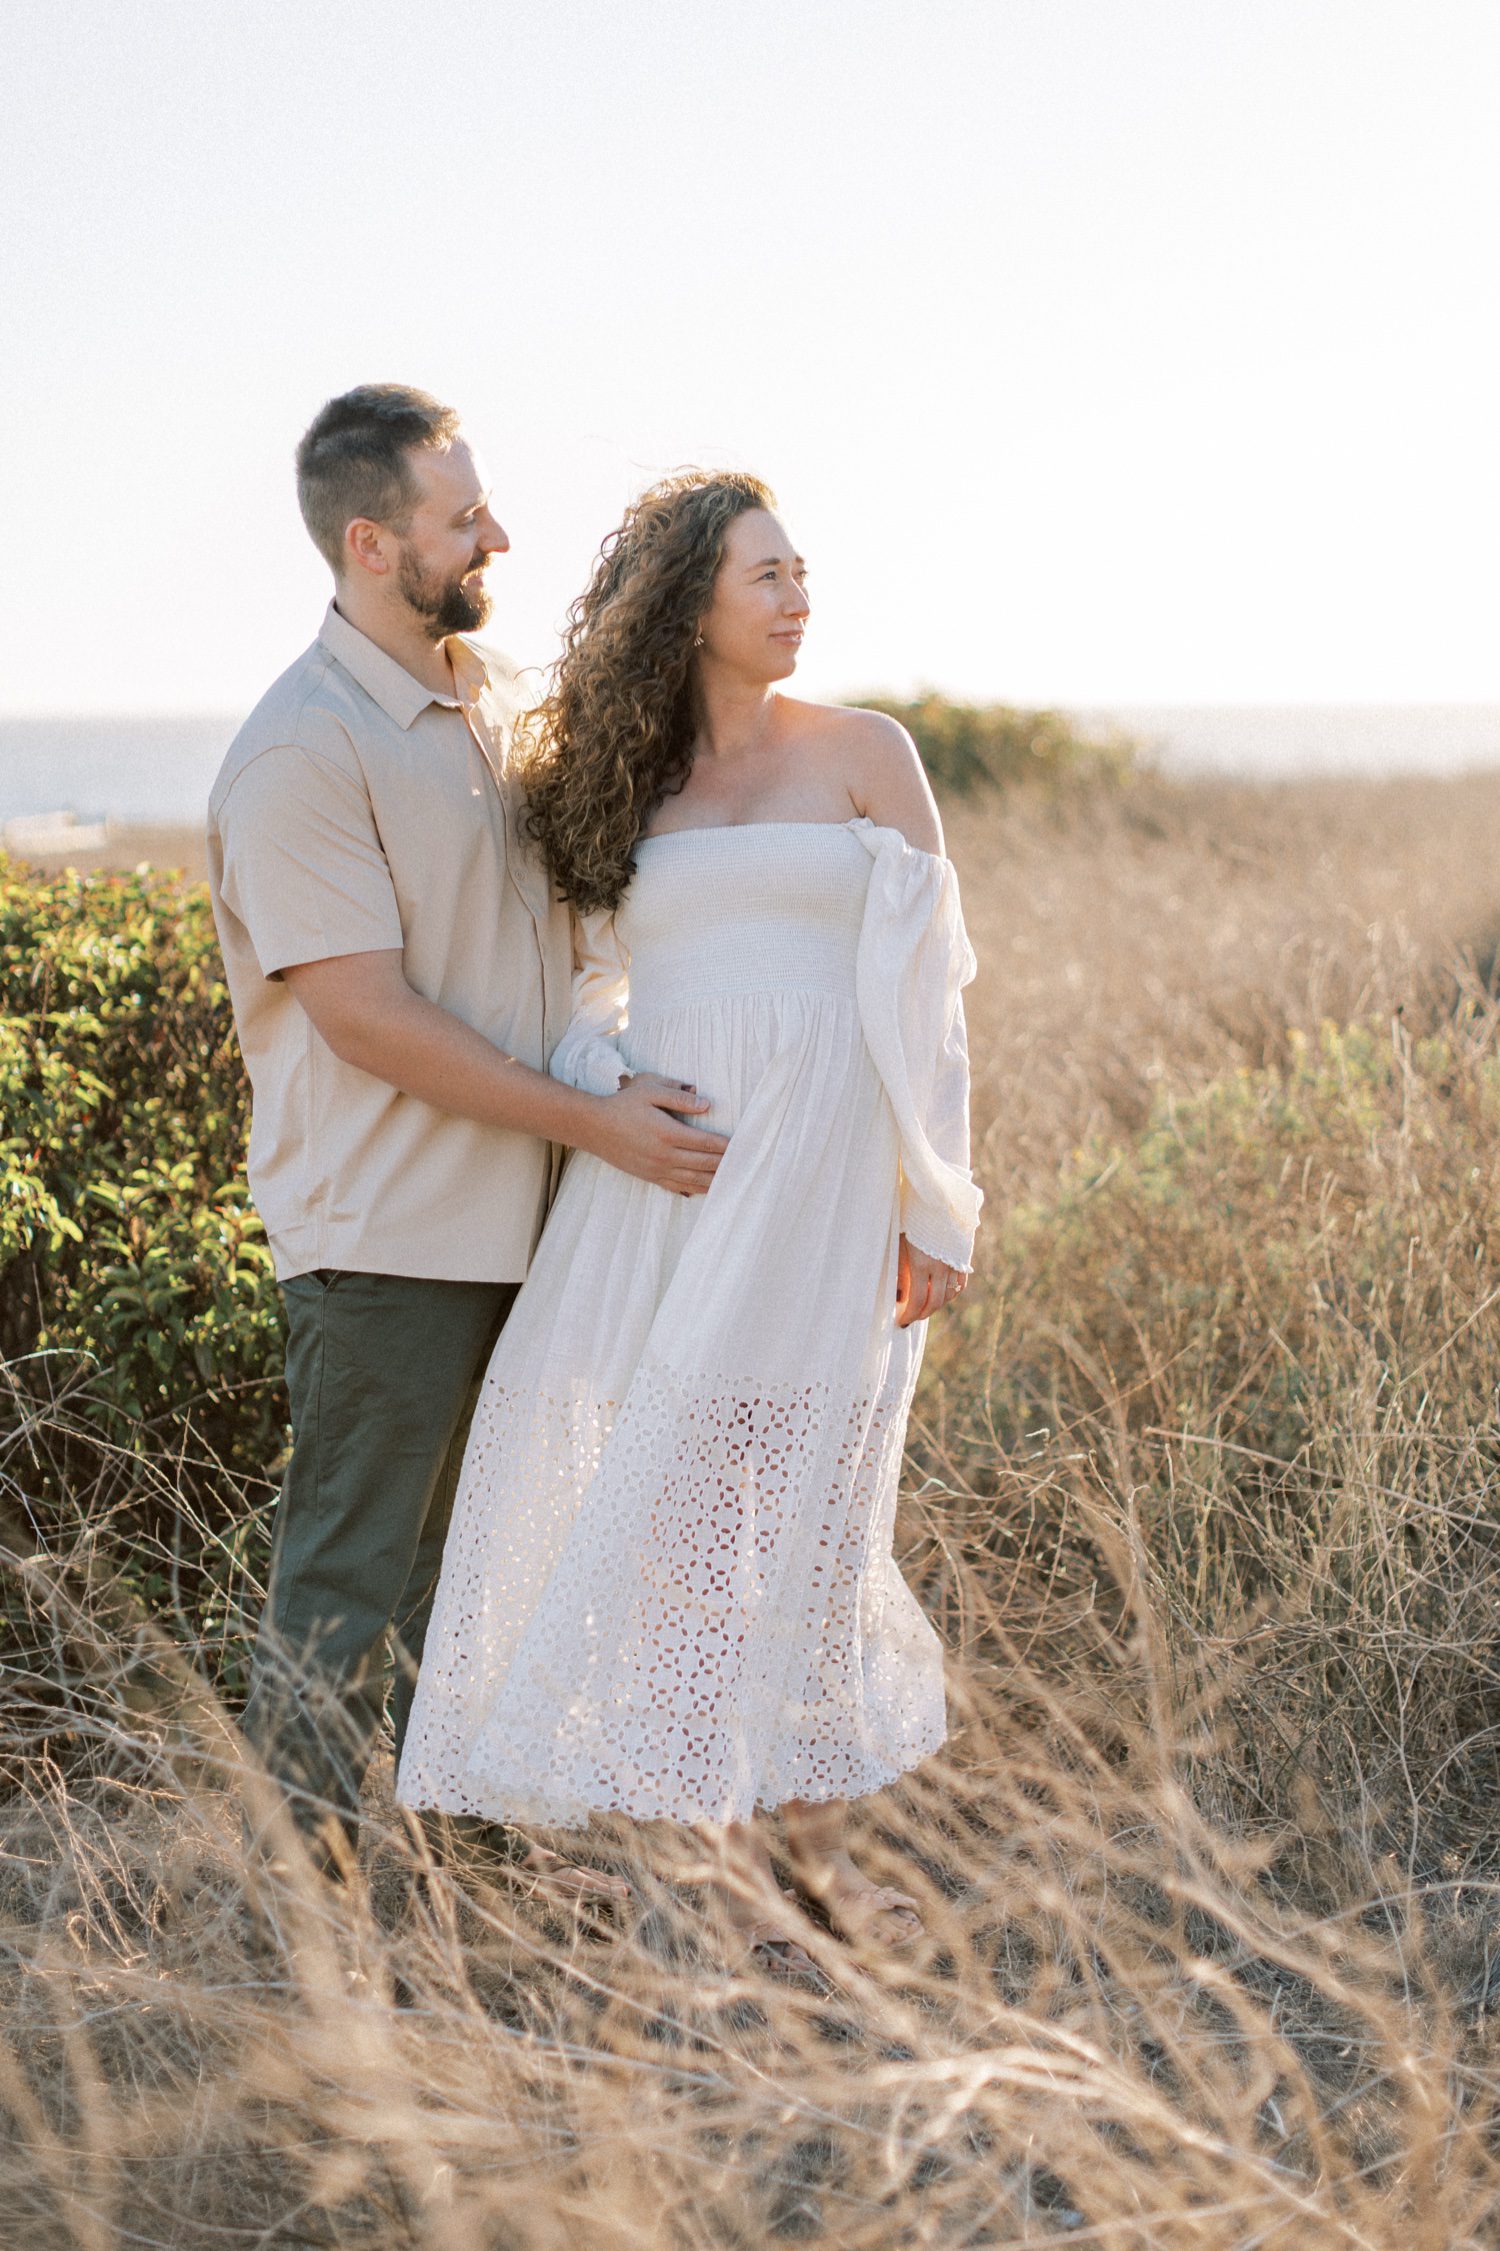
[
  {"x": 889, "y": 784},
  {"x": 588, "y": 1055}
]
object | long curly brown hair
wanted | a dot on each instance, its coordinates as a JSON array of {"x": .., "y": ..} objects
[{"x": 614, "y": 736}]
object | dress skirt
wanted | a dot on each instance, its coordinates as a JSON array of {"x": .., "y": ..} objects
[{"x": 668, "y": 1588}]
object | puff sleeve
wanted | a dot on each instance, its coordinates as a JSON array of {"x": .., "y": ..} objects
[
  {"x": 914, "y": 960},
  {"x": 588, "y": 1054}
]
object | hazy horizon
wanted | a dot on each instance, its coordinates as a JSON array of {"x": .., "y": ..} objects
[{"x": 155, "y": 768}]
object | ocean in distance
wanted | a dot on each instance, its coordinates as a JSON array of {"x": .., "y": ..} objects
[{"x": 145, "y": 770}]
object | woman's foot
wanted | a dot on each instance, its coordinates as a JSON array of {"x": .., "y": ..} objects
[
  {"x": 864, "y": 1913},
  {"x": 759, "y": 1920},
  {"x": 573, "y": 1883},
  {"x": 491, "y": 1854},
  {"x": 769, "y": 1946}
]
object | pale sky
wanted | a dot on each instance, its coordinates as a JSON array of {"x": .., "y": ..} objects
[{"x": 1100, "y": 350}]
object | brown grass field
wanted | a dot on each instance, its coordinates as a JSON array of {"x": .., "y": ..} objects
[{"x": 1201, "y": 1495}]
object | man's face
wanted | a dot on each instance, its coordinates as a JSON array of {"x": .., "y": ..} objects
[{"x": 450, "y": 536}]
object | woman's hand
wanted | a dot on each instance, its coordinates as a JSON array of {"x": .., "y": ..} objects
[{"x": 924, "y": 1285}]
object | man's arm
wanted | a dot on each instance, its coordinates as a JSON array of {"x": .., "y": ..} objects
[{"x": 362, "y": 1007}]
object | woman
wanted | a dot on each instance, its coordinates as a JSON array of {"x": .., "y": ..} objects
[{"x": 668, "y": 1589}]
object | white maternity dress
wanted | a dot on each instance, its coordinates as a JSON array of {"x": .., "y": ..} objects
[{"x": 668, "y": 1588}]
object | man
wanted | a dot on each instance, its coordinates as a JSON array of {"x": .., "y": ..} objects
[{"x": 400, "y": 971}]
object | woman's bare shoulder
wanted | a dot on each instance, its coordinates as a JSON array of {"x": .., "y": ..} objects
[
  {"x": 842, "y": 723},
  {"x": 875, "y": 760}
]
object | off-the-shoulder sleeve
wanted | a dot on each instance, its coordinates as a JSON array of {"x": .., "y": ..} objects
[
  {"x": 914, "y": 960},
  {"x": 588, "y": 1054}
]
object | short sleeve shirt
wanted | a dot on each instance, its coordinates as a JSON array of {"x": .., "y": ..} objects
[{"x": 357, "y": 812}]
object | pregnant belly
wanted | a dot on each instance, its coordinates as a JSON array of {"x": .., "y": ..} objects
[{"x": 771, "y": 1054}]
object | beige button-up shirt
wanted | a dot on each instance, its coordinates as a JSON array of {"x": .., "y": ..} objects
[{"x": 355, "y": 811}]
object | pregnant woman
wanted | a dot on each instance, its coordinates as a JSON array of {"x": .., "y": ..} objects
[{"x": 669, "y": 1589}]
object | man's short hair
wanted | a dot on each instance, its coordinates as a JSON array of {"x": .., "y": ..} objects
[{"x": 354, "y": 460}]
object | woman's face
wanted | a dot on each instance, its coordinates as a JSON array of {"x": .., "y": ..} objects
[{"x": 754, "y": 623}]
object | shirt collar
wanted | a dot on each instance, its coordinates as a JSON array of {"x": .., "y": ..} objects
[
  {"x": 471, "y": 675},
  {"x": 400, "y": 696}
]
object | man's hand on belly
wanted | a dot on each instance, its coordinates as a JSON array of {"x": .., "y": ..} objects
[{"x": 643, "y": 1130}]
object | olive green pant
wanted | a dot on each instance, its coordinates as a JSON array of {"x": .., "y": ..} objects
[{"x": 384, "y": 1373}]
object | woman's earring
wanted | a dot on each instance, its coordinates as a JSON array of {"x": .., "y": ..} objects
[{"x": 698, "y": 641}]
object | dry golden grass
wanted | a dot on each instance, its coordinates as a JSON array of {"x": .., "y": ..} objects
[
  {"x": 1200, "y": 1500},
  {"x": 1154, "y": 937}
]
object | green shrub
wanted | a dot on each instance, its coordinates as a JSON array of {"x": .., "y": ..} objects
[
  {"x": 138, "y": 1311},
  {"x": 969, "y": 748}
]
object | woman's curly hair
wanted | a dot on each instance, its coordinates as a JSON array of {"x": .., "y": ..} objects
[{"x": 614, "y": 736}]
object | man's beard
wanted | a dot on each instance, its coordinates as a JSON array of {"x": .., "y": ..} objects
[{"x": 444, "y": 605}]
